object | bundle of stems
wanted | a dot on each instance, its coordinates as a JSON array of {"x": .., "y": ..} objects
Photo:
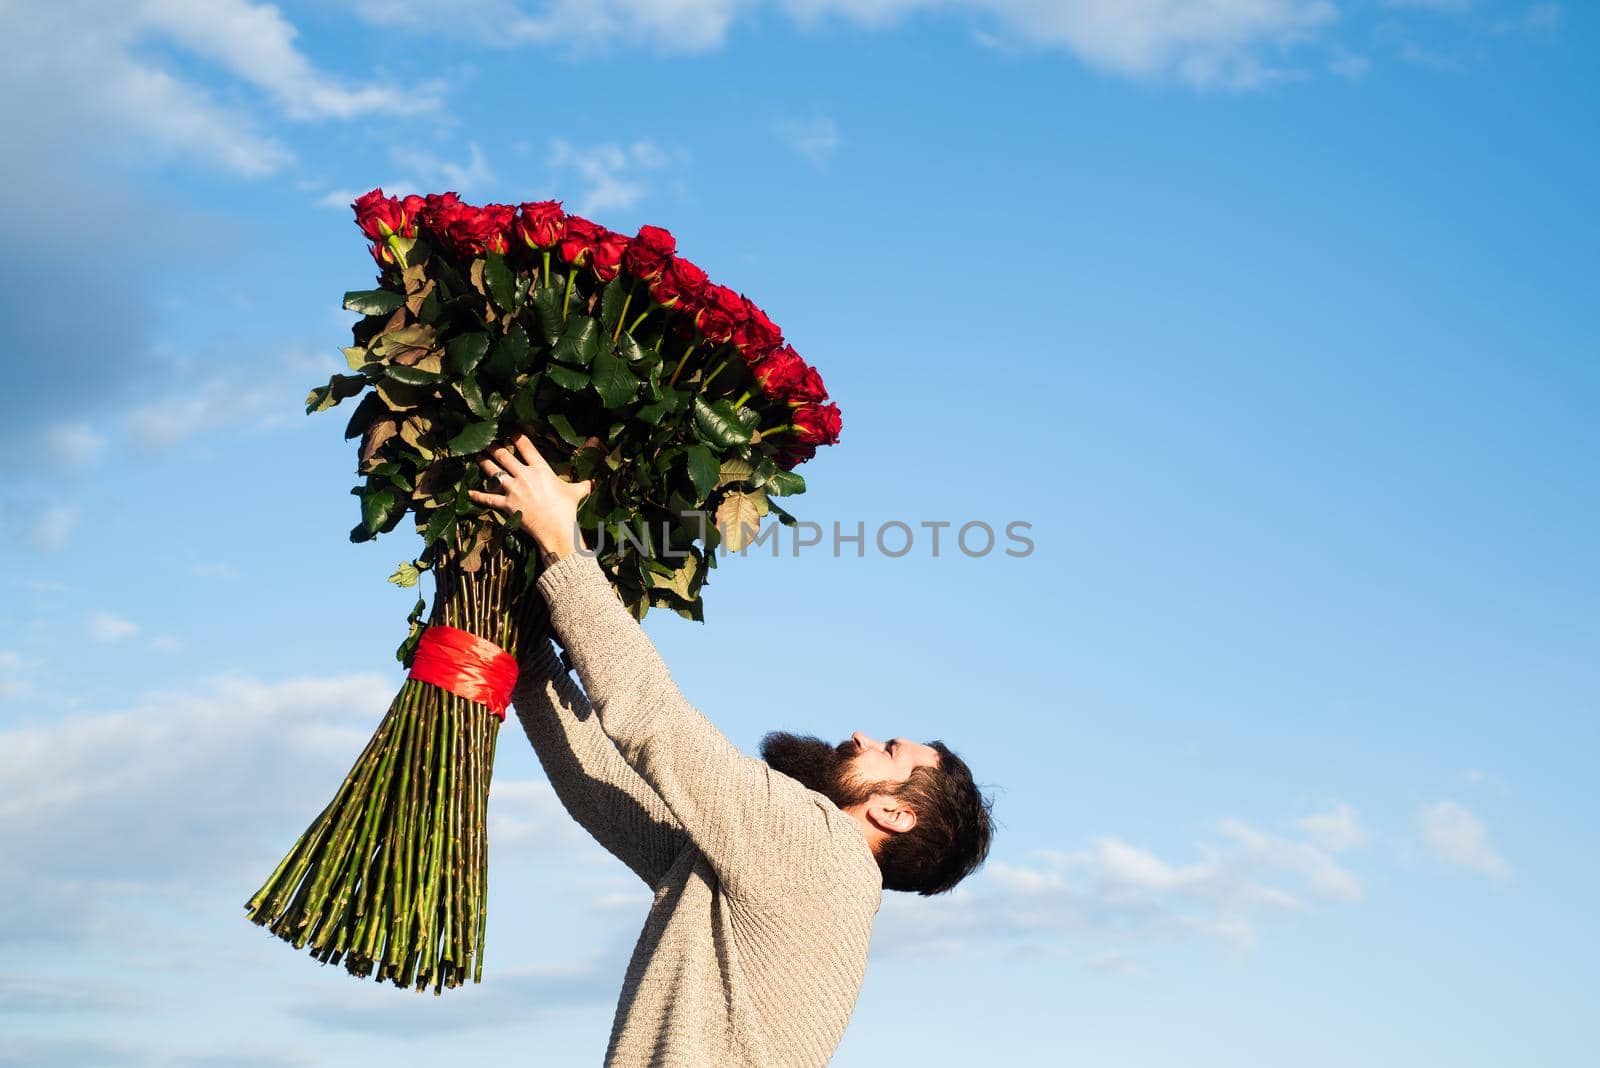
[{"x": 392, "y": 877}]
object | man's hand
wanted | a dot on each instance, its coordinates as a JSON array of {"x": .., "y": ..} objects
[{"x": 549, "y": 504}]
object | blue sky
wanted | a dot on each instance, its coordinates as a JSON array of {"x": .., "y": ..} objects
[{"x": 1273, "y": 319}]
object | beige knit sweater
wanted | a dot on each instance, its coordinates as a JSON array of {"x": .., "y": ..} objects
[{"x": 756, "y": 942}]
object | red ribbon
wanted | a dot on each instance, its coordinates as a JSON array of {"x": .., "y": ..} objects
[{"x": 467, "y": 666}]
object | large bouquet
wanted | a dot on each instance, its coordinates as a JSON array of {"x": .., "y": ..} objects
[{"x": 625, "y": 364}]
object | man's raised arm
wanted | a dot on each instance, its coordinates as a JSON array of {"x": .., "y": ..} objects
[
  {"x": 594, "y": 783},
  {"x": 758, "y": 828}
]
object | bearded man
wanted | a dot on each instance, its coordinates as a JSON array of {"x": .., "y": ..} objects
[{"x": 766, "y": 873}]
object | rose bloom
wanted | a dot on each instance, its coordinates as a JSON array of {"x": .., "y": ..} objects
[
  {"x": 681, "y": 282},
  {"x": 754, "y": 333},
  {"x": 720, "y": 311},
  {"x": 648, "y": 253},
  {"x": 541, "y": 223},
  {"x": 809, "y": 388},
  {"x": 779, "y": 373},
  {"x": 382, "y": 255},
  {"x": 467, "y": 231},
  {"x": 817, "y": 424},
  {"x": 379, "y": 216},
  {"x": 608, "y": 252},
  {"x": 579, "y": 239}
]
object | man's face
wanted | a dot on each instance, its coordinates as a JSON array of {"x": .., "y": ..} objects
[
  {"x": 891, "y": 761},
  {"x": 850, "y": 772}
]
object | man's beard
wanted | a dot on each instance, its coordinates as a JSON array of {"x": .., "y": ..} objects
[{"x": 817, "y": 766}]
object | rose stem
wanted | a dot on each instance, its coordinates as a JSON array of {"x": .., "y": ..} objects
[{"x": 681, "y": 361}]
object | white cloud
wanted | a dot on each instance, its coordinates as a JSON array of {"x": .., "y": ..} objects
[
  {"x": 578, "y": 25},
  {"x": 46, "y": 526},
  {"x": 609, "y": 174},
  {"x": 82, "y": 73},
  {"x": 1334, "y": 830},
  {"x": 16, "y": 674},
  {"x": 256, "y": 44},
  {"x": 266, "y": 398},
  {"x": 72, "y": 71},
  {"x": 71, "y": 446},
  {"x": 1350, "y": 67},
  {"x": 815, "y": 139},
  {"x": 467, "y": 177},
  {"x": 1120, "y": 899},
  {"x": 109, "y": 628},
  {"x": 1455, "y": 835},
  {"x": 1235, "y": 44}
]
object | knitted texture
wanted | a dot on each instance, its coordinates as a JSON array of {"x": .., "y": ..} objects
[{"x": 756, "y": 942}]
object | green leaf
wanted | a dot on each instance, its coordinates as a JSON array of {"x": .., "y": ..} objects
[
  {"x": 611, "y": 300},
  {"x": 338, "y": 388},
  {"x": 579, "y": 341},
  {"x": 652, "y": 413},
  {"x": 373, "y": 301},
  {"x": 568, "y": 378},
  {"x": 473, "y": 438},
  {"x": 466, "y": 350},
  {"x": 612, "y": 379},
  {"x": 502, "y": 285},
  {"x": 406, "y": 574},
  {"x": 357, "y": 357},
  {"x": 375, "y": 509},
  {"x": 734, "y": 470},
  {"x": 417, "y": 375},
  {"x": 408, "y": 648},
  {"x": 547, "y": 310},
  {"x": 513, "y": 349},
  {"x": 440, "y": 523},
  {"x": 563, "y": 426},
  {"x": 784, "y": 483},
  {"x": 473, "y": 396},
  {"x": 718, "y": 423},
  {"x": 703, "y": 470}
]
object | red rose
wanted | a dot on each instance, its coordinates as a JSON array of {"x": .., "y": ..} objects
[
  {"x": 779, "y": 373},
  {"x": 817, "y": 424},
  {"x": 379, "y": 216},
  {"x": 680, "y": 282},
  {"x": 810, "y": 387},
  {"x": 754, "y": 333},
  {"x": 437, "y": 208},
  {"x": 720, "y": 311},
  {"x": 649, "y": 252},
  {"x": 542, "y": 223},
  {"x": 413, "y": 206},
  {"x": 466, "y": 231},
  {"x": 579, "y": 239},
  {"x": 608, "y": 252},
  {"x": 498, "y": 220},
  {"x": 381, "y": 254}
]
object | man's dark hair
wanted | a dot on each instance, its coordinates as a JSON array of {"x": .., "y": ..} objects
[{"x": 952, "y": 833}]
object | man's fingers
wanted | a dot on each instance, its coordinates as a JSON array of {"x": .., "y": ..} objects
[
  {"x": 530, "y": 455},
  {"x": 507, "y": 461},
  {"x": 489, "y": 500}
]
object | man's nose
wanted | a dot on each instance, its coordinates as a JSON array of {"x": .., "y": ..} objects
[{"x": 865, "y": 741}]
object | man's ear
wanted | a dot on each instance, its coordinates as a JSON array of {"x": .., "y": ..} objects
[{"x": 890, "y": 814}]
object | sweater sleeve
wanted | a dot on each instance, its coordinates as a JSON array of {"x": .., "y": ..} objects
[
  {"x": 759, "y": 829},
  {"x": 588, "y": 774}
]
